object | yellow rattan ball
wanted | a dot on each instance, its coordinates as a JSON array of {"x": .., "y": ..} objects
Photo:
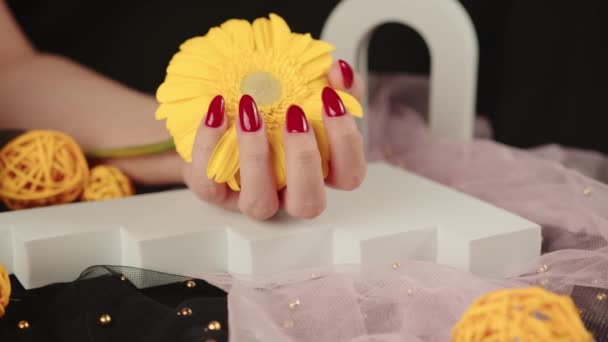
[
  {"x": 528, "y": 314},
  {"x": 107, "y": 182},
  {"x": 5, "y": 289},
  {"x": 41, "y": 168}
]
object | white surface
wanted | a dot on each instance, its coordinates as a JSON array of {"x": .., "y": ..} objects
[
  {"x": 394, "y": 216},
  {"x": 451, "y": 39}
]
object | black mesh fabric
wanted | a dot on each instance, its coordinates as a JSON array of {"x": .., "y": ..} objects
[{"x": 143, "y": 306}]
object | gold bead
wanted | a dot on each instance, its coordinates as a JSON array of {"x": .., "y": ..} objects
[
  {"x": 396, "y": 265},
  {"x": 122, "y": 277},
  {"x": 542, "y": 269},
  {"x": 288, "y": 324},
  {"x": 214, "y": 326},
  {"x": 105, "y": 319},
  {"x": 185, "y": 312},
  {"x": 587, "y": 191},
  {"x": 190, "y": 284},
  {"x": 601, "y": 296},
  {"x": 294, "y": 304},
  {"x": 23, "y": 325}
]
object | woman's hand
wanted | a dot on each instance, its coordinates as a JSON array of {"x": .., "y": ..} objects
[{"x": 304, "y": 195}]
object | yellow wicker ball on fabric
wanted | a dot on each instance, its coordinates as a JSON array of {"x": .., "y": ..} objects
[
  {"x": 107, "y": 182},
  {"x": 528, "y": 314},
  {"x": 5, "y": 289},
  {"x": 41, "y": 168}
]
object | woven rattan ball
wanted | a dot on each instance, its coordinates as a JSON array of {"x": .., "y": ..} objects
[
  {"x": 5, "y": 289},
  {"x": 107, "y": 182},
  {"x": 527, "y": 314},
  {"x": 40, "y": 168}
]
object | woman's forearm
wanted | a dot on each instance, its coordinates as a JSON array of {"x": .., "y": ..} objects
[
  {"x": 43, "y": 91},
  {"x": 46, "y": 91}
]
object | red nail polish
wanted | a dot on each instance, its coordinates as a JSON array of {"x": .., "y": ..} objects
[
  {"x": 215, "y": 115},
  {"x": 347, "y": 73},
  {"x": 332, "y": 103},
  {"x": 296, "y": 120},
  {"x": 248, "y": 114}
]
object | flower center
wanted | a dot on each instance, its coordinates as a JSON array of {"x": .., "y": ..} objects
[{"x": 262, "y": 86}]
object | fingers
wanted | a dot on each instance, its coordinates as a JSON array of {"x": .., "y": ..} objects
[
  {"x": 258, "y": 197},
  {"x": 207, "y": 137},
  {"x": 347, "y": 163},
  {"x": 342, "y": 77},
  {"x": 305, "y": 193}
]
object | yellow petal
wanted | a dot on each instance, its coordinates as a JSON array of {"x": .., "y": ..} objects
[
  {"x": 317, "y": 67},
  {"x": 316, "y": 85},
  {"x": 182, "y": 78},
  {"x": 184, "y": 90},
  {"x": 184, "y": 145},
  {"x": 233, "y": 183},
  {"x": 195, "y": 45},
  {"x": 313, "y": 106},
  {"x": 280, "y": 32},
  {"x": 221, "y": 42},
  {"x": 182, "y": 126},
  {"x": 322, "y": 145},
  {"x": 224, "y": 161},
  {"x": 351, "y": 103},
  {"x": 298, "y": 44},
  {"x": 202, "y": 48},
  {"x": 316, "y": 49},
  {"x": 183, "y": 110},
  {"x": 241, "y": 33},
  {"x": 261, "y": 34},
  {"x": 275, "y": 138},
  {"x": 193, "y": 67}
]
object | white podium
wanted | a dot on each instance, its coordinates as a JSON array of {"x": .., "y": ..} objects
[{"x": 394, "y": 216}]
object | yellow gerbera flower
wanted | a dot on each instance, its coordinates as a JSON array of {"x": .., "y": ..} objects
[{"x": 266, "y": 60}]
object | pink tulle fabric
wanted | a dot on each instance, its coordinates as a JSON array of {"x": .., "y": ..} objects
[{"x": 556, "y": 187}]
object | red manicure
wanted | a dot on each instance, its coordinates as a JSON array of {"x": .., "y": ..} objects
[
  {"x": 296, "y": 120},
  {"x": 347, "y": 73},
  {"x": 248, "y": 114},
  {"x": 215, "y": 115},
  {"x": 332, "y": 103}
]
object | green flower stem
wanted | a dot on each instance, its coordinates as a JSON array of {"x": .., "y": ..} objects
[{"x": 132, "y": 151}]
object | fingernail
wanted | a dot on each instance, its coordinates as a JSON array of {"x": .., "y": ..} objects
[
  {"x": 248, "y": 114},
  {"x": 215, "y": 115},
  {"x": 332, "y": 103},
  {"x": 347, "y": 73},
  {"x": 296, "y": 120}
]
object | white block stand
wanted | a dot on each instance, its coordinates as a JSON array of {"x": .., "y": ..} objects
[{"x": 394, "y": 216}]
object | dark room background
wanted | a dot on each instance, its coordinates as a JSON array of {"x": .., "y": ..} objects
[{"x": 542, "y": 74}]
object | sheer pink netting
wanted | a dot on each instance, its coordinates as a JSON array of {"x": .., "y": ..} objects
[{"x": 420, "y": 301}]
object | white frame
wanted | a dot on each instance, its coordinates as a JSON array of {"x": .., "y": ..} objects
[{"x": 452, "y": 42}]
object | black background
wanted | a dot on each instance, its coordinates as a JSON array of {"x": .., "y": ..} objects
[{"x": 543, "y": 64}]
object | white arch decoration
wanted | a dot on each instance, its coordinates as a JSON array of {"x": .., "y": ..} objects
[{"x": 450, "y": 36}]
